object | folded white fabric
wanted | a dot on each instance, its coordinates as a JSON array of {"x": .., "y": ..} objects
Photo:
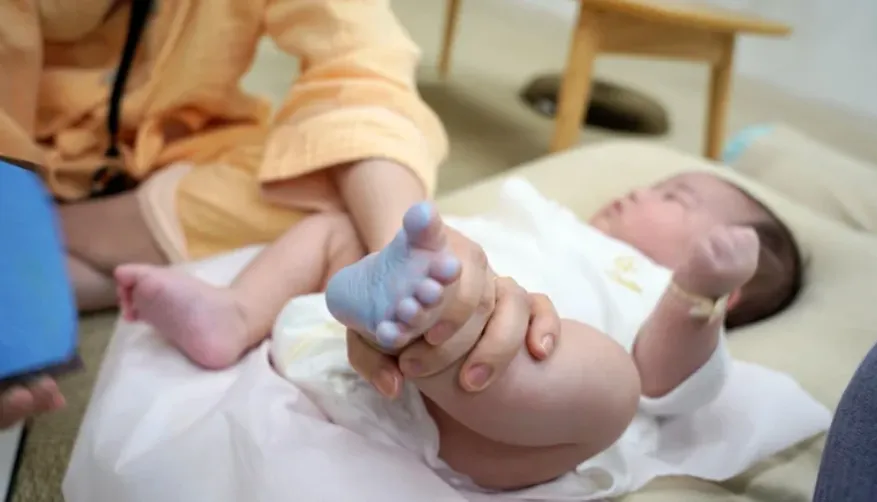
[{"x": 158, "y": 428}]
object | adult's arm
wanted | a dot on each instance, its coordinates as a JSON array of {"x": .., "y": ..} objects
[{"x": 354, "y": 109}]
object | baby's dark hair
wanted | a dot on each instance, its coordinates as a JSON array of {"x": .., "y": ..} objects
[{"x": 778, "y": 277}]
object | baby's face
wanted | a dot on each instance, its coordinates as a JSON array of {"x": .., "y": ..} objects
[{"x": 663, "y": 221}]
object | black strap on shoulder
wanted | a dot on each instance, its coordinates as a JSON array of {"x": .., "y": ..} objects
[
  {"x": 111, "y": 178},
  {"x": 24, "y": 164}
]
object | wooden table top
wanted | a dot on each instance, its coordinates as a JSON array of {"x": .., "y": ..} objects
[{"x": 692, "y": 13}]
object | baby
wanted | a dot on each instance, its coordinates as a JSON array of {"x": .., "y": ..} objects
[{"x": 655, "y": 273}]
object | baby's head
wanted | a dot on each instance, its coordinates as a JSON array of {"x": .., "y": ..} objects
[{"x": 663, "y": 221}]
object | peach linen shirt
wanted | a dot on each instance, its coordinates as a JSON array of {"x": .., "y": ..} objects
[{"x": 355, "y": 98}]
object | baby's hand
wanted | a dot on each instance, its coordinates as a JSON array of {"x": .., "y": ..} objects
[{"x": 719, "y": 263}]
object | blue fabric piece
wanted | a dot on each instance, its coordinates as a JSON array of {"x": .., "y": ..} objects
[
  {"x": 38, "y": 317},
  {"x": 848, "y": 472},
  {"x": 740, "y": 142}
]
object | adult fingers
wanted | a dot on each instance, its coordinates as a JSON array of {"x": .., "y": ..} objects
[
  {"x": 502, "y": 339},
  {"x": 46, "y": 395},
  {"x": 422, "y": 359},
  {"x": 375, "y": 367},
  {"x": 471, "y": 292},
  {"x": 16, "y": 404},
  {"x": 544, "y": 328}
]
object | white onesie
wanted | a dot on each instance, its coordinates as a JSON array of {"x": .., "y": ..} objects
[{"x": 589, "y": 277}]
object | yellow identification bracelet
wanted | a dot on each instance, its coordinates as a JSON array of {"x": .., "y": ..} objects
[{"x": 702, "y": 307}]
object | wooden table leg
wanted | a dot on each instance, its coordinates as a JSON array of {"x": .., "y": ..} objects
[
  {"x": 576, "y": 85},
  {"x": 719, "y": 100},
  {"x": 452, "y": 15}
]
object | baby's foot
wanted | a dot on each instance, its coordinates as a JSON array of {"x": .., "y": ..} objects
[
  {"x": 397, "y": 294},
  {"x": 206, "y": 323}
]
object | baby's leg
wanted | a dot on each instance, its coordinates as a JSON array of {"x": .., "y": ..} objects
[
  {"x": 215, "y": 326},
  {"x": 539, "y": 419},
  {"x": 397, "y": 294}
]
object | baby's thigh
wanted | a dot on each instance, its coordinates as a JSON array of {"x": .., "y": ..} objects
[
  {"x": 613, "y": 393},
  {"x": 496, "y": 466}
]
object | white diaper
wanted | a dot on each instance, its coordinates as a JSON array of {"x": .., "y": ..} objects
[{"x": 309, "y": 348}]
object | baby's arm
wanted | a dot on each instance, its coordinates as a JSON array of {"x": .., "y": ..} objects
[{"x": 673, "y": 345}]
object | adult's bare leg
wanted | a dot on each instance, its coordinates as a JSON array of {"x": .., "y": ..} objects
[
  {"x": 102, "y": 234},
  {"x": 94, "y": 290}
]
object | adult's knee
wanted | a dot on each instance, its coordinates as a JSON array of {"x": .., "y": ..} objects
[
  {"x": 849, "y": 463},
  {"x": 860, "y": 396}
]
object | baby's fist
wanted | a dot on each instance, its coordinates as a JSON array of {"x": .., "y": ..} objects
[{"x": 720, "y": 262}]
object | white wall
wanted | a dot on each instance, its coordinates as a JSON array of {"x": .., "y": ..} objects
[{"x": 831, "y": 56}]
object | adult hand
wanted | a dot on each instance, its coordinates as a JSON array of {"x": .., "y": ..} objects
[
  {"x": 23, "y": 401},
  {"x": 490, "y": 340},
  {"x": 490, "y": 320},
  {"x": 494, "y": 349}
]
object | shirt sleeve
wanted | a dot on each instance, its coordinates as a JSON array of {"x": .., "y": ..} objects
[
  {"x": 356, "y": 97},
  {"x": 21, "y": 59}
]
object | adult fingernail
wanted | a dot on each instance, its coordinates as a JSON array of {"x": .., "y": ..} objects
[
  {"x": 412, "y": 367},
  {"x": 478, "y": 375},
  {"x": 547, "y": 344},
  {"x": 387, "y": 384}
]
